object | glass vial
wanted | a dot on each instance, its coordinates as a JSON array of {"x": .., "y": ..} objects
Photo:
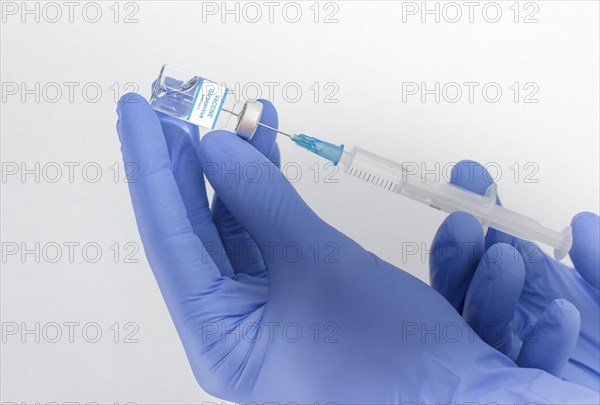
[{"x": 204, "y": 103}]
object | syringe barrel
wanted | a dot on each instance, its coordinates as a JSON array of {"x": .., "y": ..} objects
[
  {"x": 396, "y": 177},
  {"x": 372, "y": 168},
  {"x": 527, "y": 228}
]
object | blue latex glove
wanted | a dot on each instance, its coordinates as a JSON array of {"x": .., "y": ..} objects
[
  {"x": 539, "y": 312},
  {"x": 317, "y": 318}
]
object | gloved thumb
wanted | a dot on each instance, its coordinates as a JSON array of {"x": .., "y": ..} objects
[
  {"x": 261, "y": 198},
  {"x": 585, "y": 252}
]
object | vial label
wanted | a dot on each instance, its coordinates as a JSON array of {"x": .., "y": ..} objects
[{"x": 207, "y": 104}]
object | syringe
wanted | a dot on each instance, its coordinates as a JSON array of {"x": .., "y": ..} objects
[
  {"x": 397, "y": 178},
  {"x": 201, "y": 101}
]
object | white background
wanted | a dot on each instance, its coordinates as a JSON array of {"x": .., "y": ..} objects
[{"x": 368, "y": 53}]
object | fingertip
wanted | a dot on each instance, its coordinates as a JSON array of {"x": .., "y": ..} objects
[
  {"x": 556, "y": 331},
  {"x": 462, "y": 221},
  {"x": 129, "y": 101},
  {"x": 585, "y": 252},
  {"x": 504, "y": 262},
  {"x": 472, "y": 176},
  {"x": 586, "y": 225},
  {"x": 561, "y": 312},
  {"x": 140, "y": 132},
  {"x": 461, "y": 230},
  {"x": 134, "y": 113},
  {"x": 584, "y": 216},
  {"x": 502, "y": 268}
]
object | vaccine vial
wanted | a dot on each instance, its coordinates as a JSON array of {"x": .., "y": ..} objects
[{"x": 205, "y": 103}]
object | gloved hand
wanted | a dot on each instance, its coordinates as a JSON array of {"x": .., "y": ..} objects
[
  {"x": 539, "y": 312},
  {"x": 315, "y": 318}
]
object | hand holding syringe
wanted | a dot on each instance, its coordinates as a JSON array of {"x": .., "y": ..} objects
[{"x": 201, "y": 102}]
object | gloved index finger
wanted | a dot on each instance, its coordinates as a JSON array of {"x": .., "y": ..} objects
[
  {"x": 182, "y": 143},
  {"x": 176, "y": 255}
]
